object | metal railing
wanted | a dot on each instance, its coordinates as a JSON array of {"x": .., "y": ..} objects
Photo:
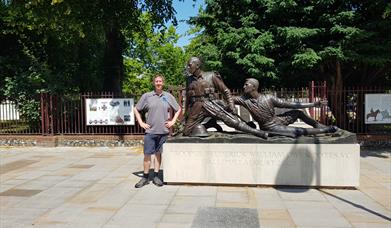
[
  {"x": 66, "y": 115},
  {"x": 12, "y": 120}
]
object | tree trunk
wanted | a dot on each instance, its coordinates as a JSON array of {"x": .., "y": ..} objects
[
  {"x": 337, "y": 104},
  {"x": 113, "y": 61}
]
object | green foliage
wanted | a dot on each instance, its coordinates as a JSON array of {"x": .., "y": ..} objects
[
  {"x": 152, "y": 52},
  {"x": 387, "y": 11},
  {"x": 62, "y": 46},
  {"x": 46, "y": 46},
  {"x": 307, "y": 59},
  {"x": 138, "y": 80},
  {"x": 289, "y": 42}
]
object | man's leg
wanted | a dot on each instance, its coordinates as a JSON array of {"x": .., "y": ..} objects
[
  {"x": 146, "y": 164},
  {"x": 149, "y": 148},
  {"x": 309, "y": 120},
  {"x": 157, "y": 162},
  {"x": 289, "y": 131},
  {"x": 315, "y": 131},
  {"x": 195, "y": 117},
  {"x": 298, "y": 131},
  {"x": 217, "y": 111},
  {"x": 292, "y": 115},
  {"x": 160, "y": 140}
]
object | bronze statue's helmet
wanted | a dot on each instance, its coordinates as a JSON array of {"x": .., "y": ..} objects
[{"x": 199, "y": 131}]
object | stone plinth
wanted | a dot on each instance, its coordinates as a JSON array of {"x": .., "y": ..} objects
[{"x": 298, "y": 162}]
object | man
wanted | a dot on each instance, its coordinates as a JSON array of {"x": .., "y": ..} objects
[
  {"x": 262, "y": 110},
  {"x": 157, "y": 103},
  {"x": 201, "y": 101}
]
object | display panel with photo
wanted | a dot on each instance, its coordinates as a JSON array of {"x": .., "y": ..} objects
[
  {"x": 378, "y": 108},
  {"x": 110, "y": 111}
]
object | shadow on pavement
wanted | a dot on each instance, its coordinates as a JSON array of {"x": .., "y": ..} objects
[
  {"x": 357, "y": 205},
  {"x": 140, "y": 174},
  {"x": 375, "y": 152}
]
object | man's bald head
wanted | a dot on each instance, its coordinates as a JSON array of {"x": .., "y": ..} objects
[
  {"x": 195, "y": 60},
  {"x": 253, "y": 82},
  {"x": 193, "y": 66}
]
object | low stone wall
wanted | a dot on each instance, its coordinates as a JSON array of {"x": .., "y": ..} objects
[
  {"x": 374, "y": 140},
  {"x": 74, "y": 140},
  {"x": 17, "y": 142},
  {"x": 132, "y": 140},
  {"x": 100, "y": 143}
]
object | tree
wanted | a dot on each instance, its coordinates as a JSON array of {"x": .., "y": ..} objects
[
  {"x": 151, "y": 52},
  {"x": 45, "y": 47},
  {"x": 68, "y": 46},
  {"x": 290, "y": 42},
  {"x": 122, "y": 17},
  {"x": 387, "y": 11},
  {"x": 77, "y": 42}
]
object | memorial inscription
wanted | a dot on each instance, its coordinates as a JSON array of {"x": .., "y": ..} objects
[{"x": 270, "y": 164}]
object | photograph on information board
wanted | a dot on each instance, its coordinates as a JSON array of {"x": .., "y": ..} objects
[
  {"x": 377, "y": 108},
  {"x": 110, "y": 111}
]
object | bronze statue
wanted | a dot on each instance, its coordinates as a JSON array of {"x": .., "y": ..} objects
[
  {"x": 201, "y": 102},
  {"x": 262, "y": 110}
]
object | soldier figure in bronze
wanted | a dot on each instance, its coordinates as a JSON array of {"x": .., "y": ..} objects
[
  {"x": 201, "y": 102},
  {"x": 262, "y": 110}
]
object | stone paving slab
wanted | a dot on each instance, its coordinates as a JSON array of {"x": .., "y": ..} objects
[{"x": 94, "y": 187}]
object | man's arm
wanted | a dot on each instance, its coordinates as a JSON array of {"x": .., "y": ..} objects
[
  {"x": 140, "y": 120},
  {"x": 170, "y": 123},
  {"x": 219, "y": 84},
  {"x": 238, "y": 100},
  {"x": 141, "y": 104},
  {"x": 174, "y": 105}
]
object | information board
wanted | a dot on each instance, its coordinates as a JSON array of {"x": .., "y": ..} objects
[
  {"x": 378, "y": 108},
  {"x": 110, "y": 111}
]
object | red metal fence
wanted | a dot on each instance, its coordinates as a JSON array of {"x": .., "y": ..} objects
[
  {"x": 13, "y": 121},
  {"x": 66, "y": 115},
  {"x": 347, "y": 109}
]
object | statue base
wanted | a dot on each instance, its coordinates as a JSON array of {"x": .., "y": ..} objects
[{"x": 234, "y": 158}]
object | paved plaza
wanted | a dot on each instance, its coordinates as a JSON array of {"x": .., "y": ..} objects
[{"x": 94, "y": 187}]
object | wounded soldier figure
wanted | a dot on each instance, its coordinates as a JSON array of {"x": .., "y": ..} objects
[{"x": 261, "y": 107}]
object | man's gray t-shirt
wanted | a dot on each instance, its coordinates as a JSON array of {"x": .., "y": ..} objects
[{"x": 158, "y": 107}]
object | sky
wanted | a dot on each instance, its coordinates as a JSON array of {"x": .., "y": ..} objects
[{"x": 185, "y": 10}]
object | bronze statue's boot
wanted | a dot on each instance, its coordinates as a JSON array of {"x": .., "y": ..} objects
[
  {"x": 245, "y": 128},
  {"x": 287, "y": 134},
  {"x": 319, "y": 125},
  {"x": 260, "y": 133},
  {"x": 314, "y": 131},
  {"x": 331, "y": 129}
]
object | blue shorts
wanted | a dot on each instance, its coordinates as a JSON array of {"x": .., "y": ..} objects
[{"x": 154, "y": 143}]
